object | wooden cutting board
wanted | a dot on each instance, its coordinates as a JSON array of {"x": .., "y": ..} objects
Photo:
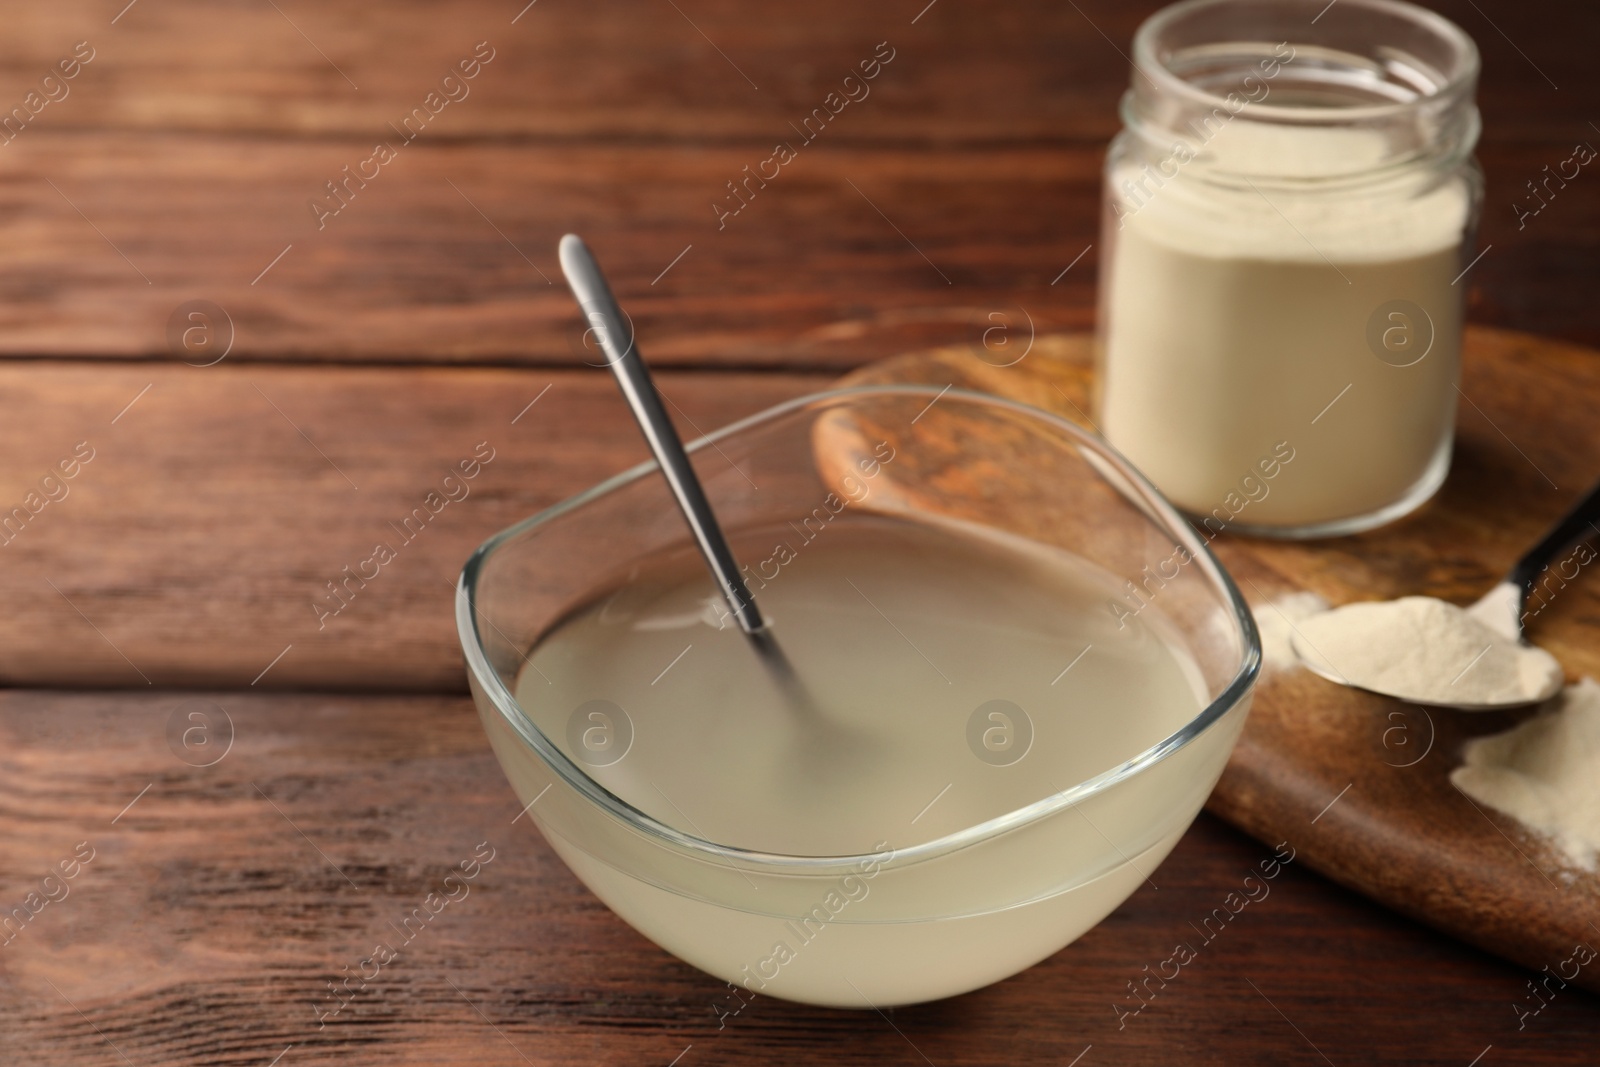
[{"x": 1357, "y": 783}]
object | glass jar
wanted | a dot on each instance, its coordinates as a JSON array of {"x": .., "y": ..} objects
[{"x": 1289, "y": 211}]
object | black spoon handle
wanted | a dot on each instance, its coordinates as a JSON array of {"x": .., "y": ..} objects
[
  {"x": 1578, "y": 523},
  {"x": 616, "y": 339}
]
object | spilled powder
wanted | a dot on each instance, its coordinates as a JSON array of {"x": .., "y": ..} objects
[
  {"x": 1545, "y": 772},
  {"x": 1426, "y": 650},
  {"x": 1276, "y": 622}
]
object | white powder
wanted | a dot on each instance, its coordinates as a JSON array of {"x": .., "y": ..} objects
[
  {"x": 1422, "y": 649},
  {"x": 1235, "y": 315},
  {"x": 1545, "y": 772},
  {"x": 1277, "y": 622}
]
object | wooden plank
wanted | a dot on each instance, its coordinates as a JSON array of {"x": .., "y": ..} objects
[
  {"x": 1362, "y": 780},
  {"x": 448, "y": 255},
  {"x": 221, "y": 900},
  {"x": 643, "y": 71},
  {"x": 195, "y": 544}
]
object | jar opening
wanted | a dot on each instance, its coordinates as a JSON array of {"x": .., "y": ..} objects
[
  {"x": 1396, "y": 80},
  {"x": 1312, "y": 77},
  {"x": 1304, "y": 59}
]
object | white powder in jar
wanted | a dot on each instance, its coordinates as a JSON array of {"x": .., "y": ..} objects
[
  {"x": 1545, "y": 773},
  {"x": 1236, "y": 328}
]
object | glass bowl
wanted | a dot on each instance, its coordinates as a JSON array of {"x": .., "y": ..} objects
[{"x": 941, "y": 901}]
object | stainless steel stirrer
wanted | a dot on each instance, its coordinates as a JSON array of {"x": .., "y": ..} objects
[{"x": 615, "y": 335}]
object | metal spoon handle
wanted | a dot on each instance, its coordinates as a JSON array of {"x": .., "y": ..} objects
[
  {"x": 1574, "y": 526},
  {"x": 616, "y": 339}
]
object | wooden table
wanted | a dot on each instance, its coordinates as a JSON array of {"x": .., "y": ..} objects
[{"x": 179, "y": 574}]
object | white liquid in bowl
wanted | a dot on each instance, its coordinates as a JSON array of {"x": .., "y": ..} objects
[{"x": 904, "y": 634}]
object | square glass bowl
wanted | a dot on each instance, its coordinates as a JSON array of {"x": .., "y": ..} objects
[{"x": 931, "y": 909}]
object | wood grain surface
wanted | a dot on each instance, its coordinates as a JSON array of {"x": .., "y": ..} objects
[
  {"x": 186, "y": 555},
  {"x": 713, "y": 69},
  {"x": 449, "y": 255},
  {"x": 198, "y": 542},
  {"x": 184, "y": 158},
  {"x": 1363, "y": 780},
  {"x": 221, "y": 901}
]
